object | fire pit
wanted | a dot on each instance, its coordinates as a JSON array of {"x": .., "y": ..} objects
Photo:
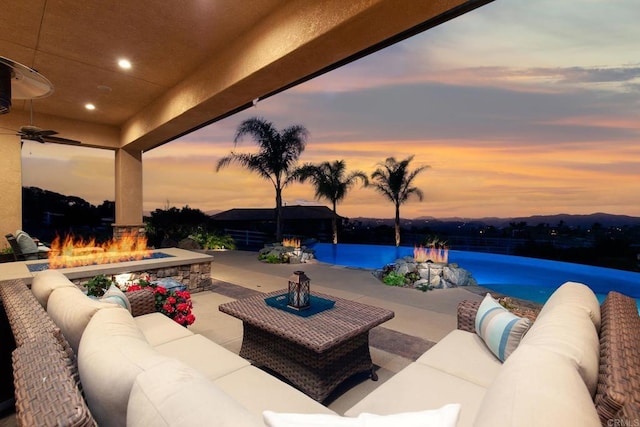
[
  {"x": 41, "y": 266},
  {"x": 193, "y": 269},
  {"x": 75, "y": 252}
]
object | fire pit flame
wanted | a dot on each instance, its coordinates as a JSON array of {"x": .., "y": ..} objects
[
  {"x": 72, "y": 252},
  {"x": 294, "y": 243},
  {"x": 435, "y": 254}
]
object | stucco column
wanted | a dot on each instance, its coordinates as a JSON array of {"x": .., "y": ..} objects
[
  {"x": 11, "y": 185},
  {"x": 128, "y": 174}
]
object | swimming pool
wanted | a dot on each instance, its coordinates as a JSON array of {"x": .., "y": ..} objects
[{"x": 527, "y": 278}]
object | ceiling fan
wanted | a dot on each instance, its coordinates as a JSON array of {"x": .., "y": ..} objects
[
  {"x": 18, "y": 81},
  {"x": 31, "y": 132}
]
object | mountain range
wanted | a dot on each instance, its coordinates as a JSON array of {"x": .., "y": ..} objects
[{"x": 571, "y": 220}]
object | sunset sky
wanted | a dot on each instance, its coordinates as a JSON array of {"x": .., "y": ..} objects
[{"x": 519, "y": 108}]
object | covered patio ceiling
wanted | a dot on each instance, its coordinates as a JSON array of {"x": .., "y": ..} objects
[{"x": 193, "y": 62}]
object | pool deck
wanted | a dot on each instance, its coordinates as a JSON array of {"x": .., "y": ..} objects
[{"x": 421, "y": 318}]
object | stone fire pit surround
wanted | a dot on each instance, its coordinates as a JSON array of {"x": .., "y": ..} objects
[{"x": 192, "y": 269}]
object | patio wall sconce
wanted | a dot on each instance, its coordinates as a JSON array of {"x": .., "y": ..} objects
[{"x": 299, "y": 292}]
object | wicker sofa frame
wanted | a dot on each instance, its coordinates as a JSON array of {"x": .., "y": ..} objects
[{"x": 47, "y": 387}]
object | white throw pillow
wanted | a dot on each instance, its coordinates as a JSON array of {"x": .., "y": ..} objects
[
  {"x": 500, "y": 329},
  {"x": 447, "y": 416}
]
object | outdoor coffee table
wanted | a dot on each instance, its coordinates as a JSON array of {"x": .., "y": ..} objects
[{"x": 314, "y": 353}]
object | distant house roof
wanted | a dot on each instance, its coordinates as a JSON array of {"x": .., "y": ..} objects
[{"x": 268, "y": 214}]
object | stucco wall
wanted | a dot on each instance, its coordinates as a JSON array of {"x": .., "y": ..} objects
[{"x": 11, "y": 189}]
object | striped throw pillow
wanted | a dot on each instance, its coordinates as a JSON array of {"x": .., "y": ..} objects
[
  {"x": 500, "y": 329},
  {"x": 116, "y": 296}
]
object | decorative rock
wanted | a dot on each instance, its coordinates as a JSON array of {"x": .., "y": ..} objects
[
  {"x": 436, "y": 282},
  {"x": 435, "y": 275},
  {"x": 402, "y": 268},
  {"x": 286, "y": 254}
]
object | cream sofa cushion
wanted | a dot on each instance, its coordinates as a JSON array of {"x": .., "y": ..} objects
[
  {"x": 26, "y": 243},
  {"x": 575, "y": 294},
  {"x": 44, "y": 282},
  {"x": 112, "y": 353},
  {"x": 419, "y": 387},
  {"x": 159, "y": 329},
  {"x": 173, "y": 394},
  {"x": 464, "y": 355},
  {"x": 198, "y": 352},
  {"x": 71, "y": 310},
  {"x": 569, "y": 332},
  {"x": 258, "y": 391},
  {"x": 537, "y": 387}
]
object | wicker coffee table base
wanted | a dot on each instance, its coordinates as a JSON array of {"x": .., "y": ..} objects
[{"x": 315, "y": 374}]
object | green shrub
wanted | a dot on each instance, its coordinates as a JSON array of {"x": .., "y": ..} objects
[
  {"x": 213, "y": 240},
  {"x": 273, "y": 259},
  {"x": 424, "y": 288},
  {"x": 394, "y": 279},
  {"x": 98, "y": 285}
]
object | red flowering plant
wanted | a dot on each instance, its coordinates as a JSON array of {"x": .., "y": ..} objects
[{"x": 175, "y": 304}]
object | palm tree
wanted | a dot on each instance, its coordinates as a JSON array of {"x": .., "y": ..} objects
[
  {"x": 393, "y": 179},
  {"x": 331, "y": 183},
  {"x": 276, "y": 158}
]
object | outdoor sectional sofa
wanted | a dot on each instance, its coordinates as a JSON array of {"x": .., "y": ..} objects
[
  {"x": 578, "y": 364},
  {"x": 139, "y": 368}
]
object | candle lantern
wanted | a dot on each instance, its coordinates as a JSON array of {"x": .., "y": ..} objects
[{"x": 299, "y": 291}]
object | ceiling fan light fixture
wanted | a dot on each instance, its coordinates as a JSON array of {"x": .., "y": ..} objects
[
  {"x": 18, "y": 81},
  {"x": 5, "y": 89}
]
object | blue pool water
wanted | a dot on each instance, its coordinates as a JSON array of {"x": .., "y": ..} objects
[{"x": 527, "y": 278}]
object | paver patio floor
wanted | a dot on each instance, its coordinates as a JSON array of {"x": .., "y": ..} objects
[{"x": 421, "y": 318}]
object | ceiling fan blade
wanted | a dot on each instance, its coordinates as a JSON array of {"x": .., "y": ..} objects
[
  {"x": 36, "y": 138},
  {"x": 58, "y": 140},
  {"x": 47, "y": 132}
]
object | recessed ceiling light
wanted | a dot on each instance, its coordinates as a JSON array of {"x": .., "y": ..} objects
[
  {"x": 90, "y": 106},
  {"x": 124, "y": 64}
]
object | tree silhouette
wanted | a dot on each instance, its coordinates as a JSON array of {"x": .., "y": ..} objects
[
  {"x": 393, "y": 179},
  {"x": 331, "y": 182},
  {"x": 278, "y": 153}
]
